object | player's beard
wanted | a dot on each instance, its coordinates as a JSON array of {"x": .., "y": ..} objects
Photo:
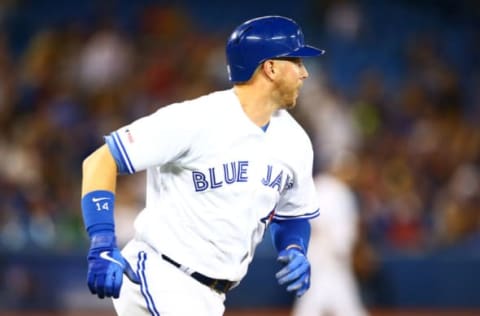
[
  {"x": 288, "y": 95},
  {"x": 293, "y": 100}
]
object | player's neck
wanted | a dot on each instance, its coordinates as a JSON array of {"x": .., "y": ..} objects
[{"x": 256, "y": 103}]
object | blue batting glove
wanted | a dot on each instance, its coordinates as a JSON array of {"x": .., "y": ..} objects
[
  {"x": 296, "y": 271},
  {"x": 106, "y": 267}
]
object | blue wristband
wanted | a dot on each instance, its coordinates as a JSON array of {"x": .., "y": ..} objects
[{"x": 97, "y": 210}]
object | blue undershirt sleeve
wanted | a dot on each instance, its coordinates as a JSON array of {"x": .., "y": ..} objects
[{"x": 290, "y": 232}]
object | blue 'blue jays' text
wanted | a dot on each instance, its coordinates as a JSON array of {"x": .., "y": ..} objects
[{"x": 235, "y": 171}]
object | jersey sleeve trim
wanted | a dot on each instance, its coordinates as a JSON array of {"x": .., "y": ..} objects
[
  {"x": 119, "y": 153},
  {"x": 303, "y": 216}
]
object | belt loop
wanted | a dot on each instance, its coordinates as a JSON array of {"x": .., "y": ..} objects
[{"x": 214, "y": 284}]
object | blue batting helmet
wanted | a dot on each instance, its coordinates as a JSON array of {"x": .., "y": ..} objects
[{"x": 259, "y": 39}]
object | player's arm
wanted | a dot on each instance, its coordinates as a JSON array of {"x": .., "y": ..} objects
[
  {"x": 106, "y": 264},
  {"x": 290, "y": 239},
  {"x": 99, "y": 171}
]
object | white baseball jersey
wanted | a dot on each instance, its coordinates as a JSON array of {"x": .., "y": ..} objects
[{"x": 215, "y": 179}]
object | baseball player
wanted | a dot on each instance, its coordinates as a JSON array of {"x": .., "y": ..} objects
[
  {"x": 334, "y": 289},
  {"x": 220, "y": 170}
]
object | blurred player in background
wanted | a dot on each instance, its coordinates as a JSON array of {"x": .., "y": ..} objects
[
  {"x": 334, "y": 290},
  {"x": 220, "y": 170}
]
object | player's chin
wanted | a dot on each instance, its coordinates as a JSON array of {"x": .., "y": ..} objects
[
  {"x": 293, "y": 101},
  {"x": 290, "y": 100},
  {"x": 291, "y": 105}
]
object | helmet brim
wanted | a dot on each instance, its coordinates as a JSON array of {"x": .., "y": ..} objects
[{"x": 305, "y": 51}]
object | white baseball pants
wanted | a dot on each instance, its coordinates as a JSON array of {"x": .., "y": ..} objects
[{"x": 164, "y": 290}]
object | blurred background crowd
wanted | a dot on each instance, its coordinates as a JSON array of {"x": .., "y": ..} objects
[{"x": 394, "y": 105}]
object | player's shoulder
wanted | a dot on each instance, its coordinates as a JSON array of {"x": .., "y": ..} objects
[
  {"x": 331, "y": 188},
  {"x": 210, "y": 100},
  {"x": 328, "y": 182},
  {"x": 197, "y": 109},
  {"x": 291, "y": 130}
]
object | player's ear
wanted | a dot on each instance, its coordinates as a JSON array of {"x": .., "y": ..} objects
[{"x": 269, "y": 70}]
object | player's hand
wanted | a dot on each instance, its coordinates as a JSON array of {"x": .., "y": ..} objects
[
  {"x": 296, "y": 271},
  {"x": 106, "y": 267}
]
